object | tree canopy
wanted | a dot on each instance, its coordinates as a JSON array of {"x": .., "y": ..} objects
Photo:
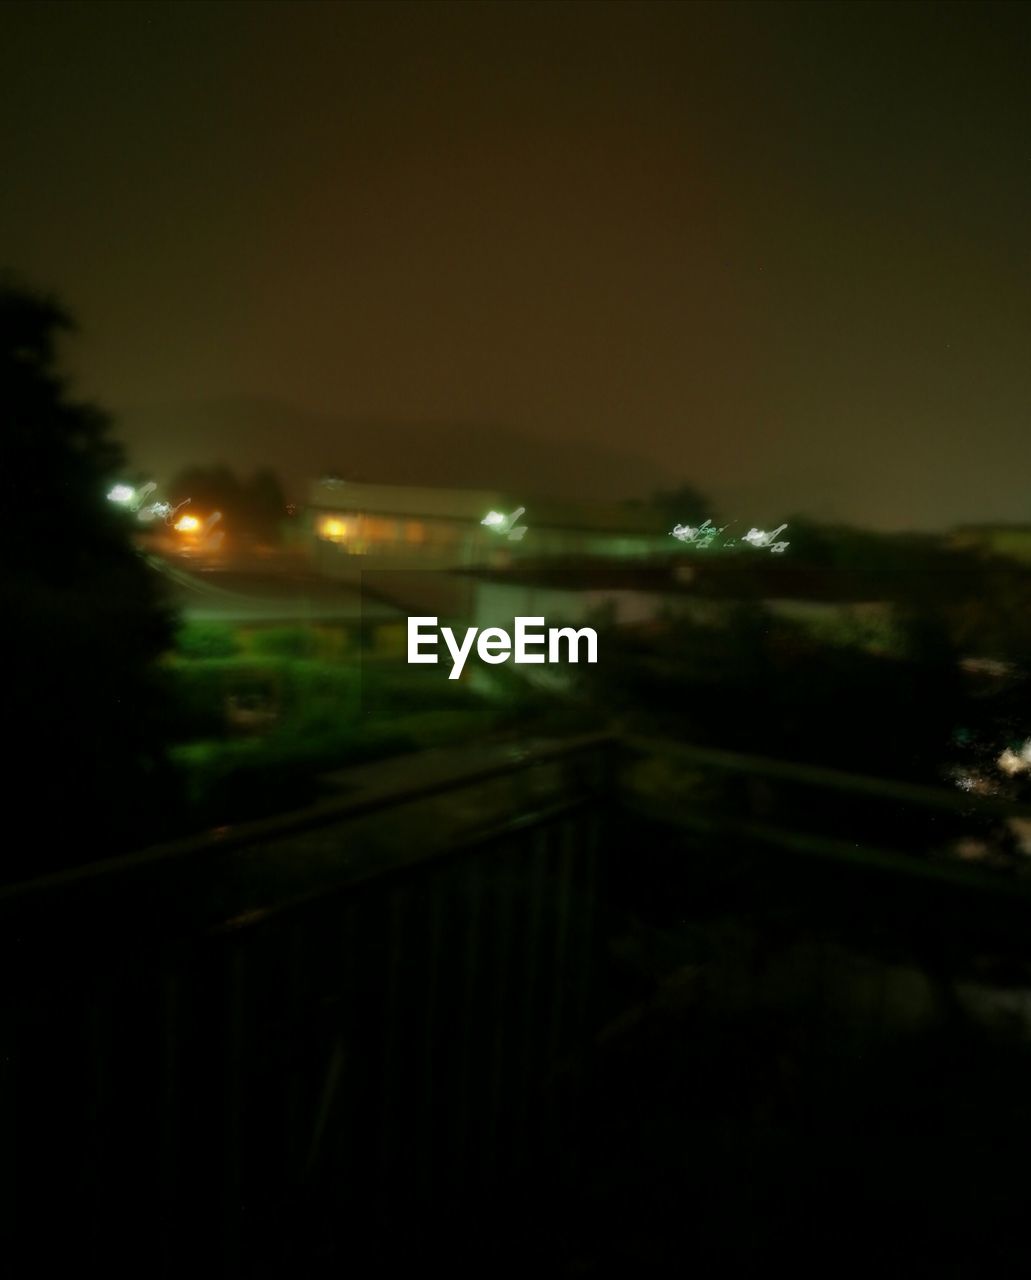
[
  {"x": 254, "y": 508},
  {"x": 85, "y": 616}
]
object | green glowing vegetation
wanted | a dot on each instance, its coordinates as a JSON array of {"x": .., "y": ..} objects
[{"x": 260, "y": 719}]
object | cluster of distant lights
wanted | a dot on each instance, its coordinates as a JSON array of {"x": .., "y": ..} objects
[
  {"x": 706, "y": 534},
  {"x": 504, "y": 525},
  {"x": 132, "y": 499},
  {"x": 1009, "y": 762}
]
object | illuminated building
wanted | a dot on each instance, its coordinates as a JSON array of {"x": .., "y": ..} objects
[{"x": 363, "y": 526}]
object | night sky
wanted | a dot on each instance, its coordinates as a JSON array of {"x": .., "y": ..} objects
[{"x": 780, "y": 251}]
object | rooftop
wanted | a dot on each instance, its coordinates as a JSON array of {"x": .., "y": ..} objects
[{"x": 473, "y": 504}]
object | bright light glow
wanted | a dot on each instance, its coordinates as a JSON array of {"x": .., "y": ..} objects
[
  {"x": 122, "y": 493},
  {"x": 333, "y": 530},
  {"x": 977, "y": 784},
  {"x": 1009, "y": 762},
  {"x": 760, "y": 539},
  {"x": 703, "y": 536},
  {"x": 504, "y": 524},
  {"x": 187, "y": 524},
  {"x": 155, "y": 511},
  {"x": 706, "y": 534}
]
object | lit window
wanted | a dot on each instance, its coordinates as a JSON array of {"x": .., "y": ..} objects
[{"x": 332, "y": 529}]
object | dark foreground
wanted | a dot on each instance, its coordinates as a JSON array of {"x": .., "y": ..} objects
[{"x": 568, "y": 1038}]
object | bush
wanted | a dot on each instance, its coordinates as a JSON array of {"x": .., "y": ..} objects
[
  {"x": 318, "y": 690},
  {"x": 391, "y": 689},
  {"x": 206, "y": 640},
  {"x": 303, "y": 692},
  {"x": 232, "y": 781},
  {"x": 198, "y": 697},
  {"x": 284, "y": 642},
  {"x": 445, "y": 726}
]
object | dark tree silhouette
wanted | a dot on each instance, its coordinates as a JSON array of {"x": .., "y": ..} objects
[
  {"x": 266, "y": 505},
  {"x": 84, "y": 774},
  {"x": 209, "y": 489},
  {"x": 253, "y": 510},
  {"x": 683, "y": 505}
]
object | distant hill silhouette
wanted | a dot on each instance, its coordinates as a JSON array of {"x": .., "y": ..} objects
[{"x": 301, "y": 446}]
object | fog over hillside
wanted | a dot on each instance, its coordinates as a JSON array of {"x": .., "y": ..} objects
[{"x": 248, "y": 433}]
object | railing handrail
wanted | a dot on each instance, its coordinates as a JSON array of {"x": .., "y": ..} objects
[
  {"x": 455, "y": 848},
  {"x": 344, "y": 808},
  {"x": 298, "y": 821},
  {"x": 956, "y": 875},
  {"x": 828, "y": 779}
]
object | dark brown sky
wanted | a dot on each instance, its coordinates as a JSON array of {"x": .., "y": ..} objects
[{"x": 779, "y": 250}]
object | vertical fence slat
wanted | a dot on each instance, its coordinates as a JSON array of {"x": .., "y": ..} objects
[
  {"x": 169, "y": 1117},
  {"x": 428, "y": 1126},
  {"x": 248, "y": 1054},
  {"x": 234, "y": 1080}
]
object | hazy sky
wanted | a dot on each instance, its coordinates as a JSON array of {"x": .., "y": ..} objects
[{"x": 778, "y": 250}]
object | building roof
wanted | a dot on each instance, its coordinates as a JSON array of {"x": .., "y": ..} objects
[
  {"x": 404, "y": 499},
  {"x": 473, "y": 504}
]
